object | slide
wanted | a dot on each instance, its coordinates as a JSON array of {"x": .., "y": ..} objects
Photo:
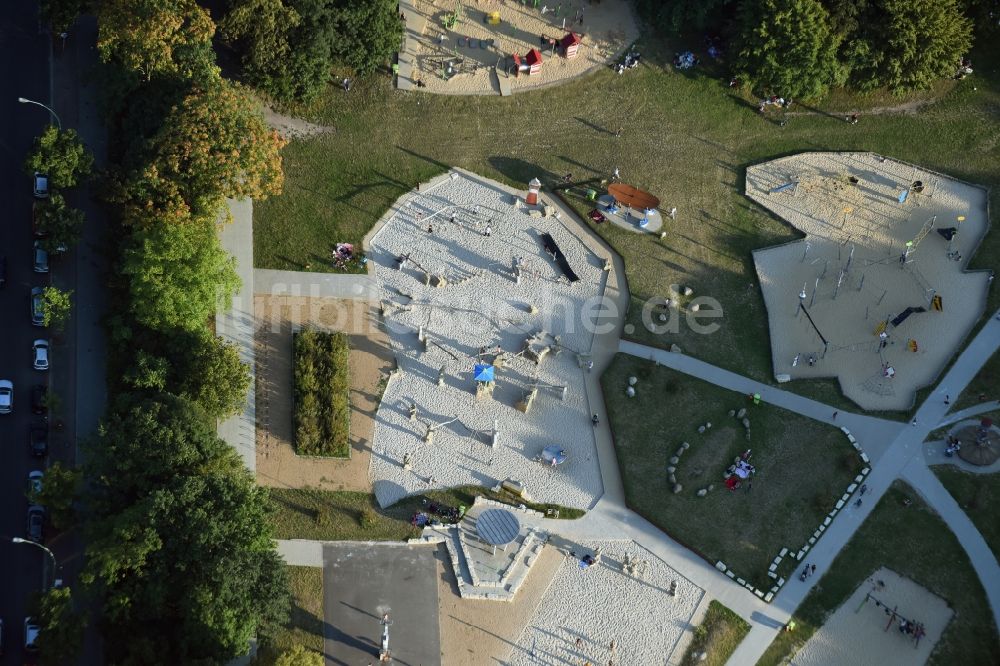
[{"x": 552, "y": 248}]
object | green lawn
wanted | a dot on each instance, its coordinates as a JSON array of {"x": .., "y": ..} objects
[
  {"x": 687, "y": 138},
  {"x": 979, "y": 497},
  {"x": 305, "y": 623},
  {"x": 717, "y": 636},
  {"x": 803, "y": 466},
  {"x": 985, "y": 384},
  {"x": 914, "y": 542},
  {"x": 307, "y": 513}
]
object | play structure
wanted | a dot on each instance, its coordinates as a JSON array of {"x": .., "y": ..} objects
[
  {"x": 552, "y": 249},
  {"x": 451, "y": 19},
  {"x": 570, "y": 45},
  {"x": 633, "y": 197},
  {"x": 869, "y": 295},
  {"x": 530, "y": 64}
]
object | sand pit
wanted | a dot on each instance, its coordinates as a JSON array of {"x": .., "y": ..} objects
[
  {"x": 370, "y": 361},
  {"x": 856, "y": 278},
  {"x": 600, "y": 605},
  {"x": 482, "y": 306},
  {"x": 607, "y": 28},
  {"x": 856, "y": 633}
]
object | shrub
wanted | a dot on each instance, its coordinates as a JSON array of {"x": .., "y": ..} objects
[{"x": 322, "y": 393}]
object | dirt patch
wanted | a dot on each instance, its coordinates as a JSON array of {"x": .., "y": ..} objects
[
  {"x": 474, "y": 631},
  {"x": 291, "y": 127},
  {"x": 278, "y": 317}
]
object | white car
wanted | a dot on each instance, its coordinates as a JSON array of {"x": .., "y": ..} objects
[
  {"x": 35, "y": 482},
  {"x": 40, "y": 259},
  {"x": 41, "y": 189},
  {"x": 6, "y": 396},
  {"x": 41, "y": 354},
  {"x": 31, "y": 630}
]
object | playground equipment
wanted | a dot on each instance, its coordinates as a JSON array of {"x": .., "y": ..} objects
[
  {"x": 570, "y": 45},
  {"x": 492, "y": 18},
  {"x": 533, "y": 186},
  {"x": 453, "y": 18},
  {"x": 530, "y": 63}
]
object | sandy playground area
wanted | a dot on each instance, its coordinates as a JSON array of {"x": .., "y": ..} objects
[
  {"x": 535, "y": 331},
  {"x": 876, "y": 294},
  {"x": 606, "y": 29},
  {"x": 865, "y": 633},
  {"x": 370, "y": 362}
]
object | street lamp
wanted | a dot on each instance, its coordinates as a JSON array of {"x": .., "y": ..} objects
[
  {"x": 38, "y": 545},
  {"x": 24, "y": 100}
]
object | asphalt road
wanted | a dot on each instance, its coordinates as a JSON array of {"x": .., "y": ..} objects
[
  {"x": 26, "y": 74},
  {"x": 361, "y": 582}
]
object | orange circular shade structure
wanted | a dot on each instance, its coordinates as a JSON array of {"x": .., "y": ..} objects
[{"x": 632, "y": 196}]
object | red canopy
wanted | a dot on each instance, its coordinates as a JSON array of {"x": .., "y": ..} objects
[{"x": 534, "y": 56}]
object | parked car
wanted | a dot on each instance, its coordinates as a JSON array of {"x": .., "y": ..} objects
[
  {"x": 6, "y": 396},
  {"x": 41, "y": 259},
  {"x": 38, "y": 394},
  {"x": 41, "y": 186},
  {"x": 31, "y": 630},
  {"x": 35, "y": 482},
  {"x": 38, "y": 440},
  {"x": 41, "y": 354},
  {"x": 37, "y": 308},
  {"x": 36, "y": 518}
]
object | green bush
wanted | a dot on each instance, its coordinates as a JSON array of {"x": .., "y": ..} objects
[{"x": 322, "y": 410}]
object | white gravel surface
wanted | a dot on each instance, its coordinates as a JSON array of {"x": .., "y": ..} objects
[
  {"x": 482, "y": 306},
  {"x": 600, "y": 605},
  {"x": 865, "y": 218},
  {"x": 855, "y": 634}
]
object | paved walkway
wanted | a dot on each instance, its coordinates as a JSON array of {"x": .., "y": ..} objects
[
  {"x": 407, "y": 58},
  {"x": 314, "y": 285},
  {"x": 236, "y": 324},
  {"x": 969, "y": 412}
]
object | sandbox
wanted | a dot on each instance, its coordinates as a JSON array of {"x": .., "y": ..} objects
[
  {"x": 876, "y": 294},
  {"x": 865, "y": 630},
  {"x": 584, "y": 611},
  {"x": 474, "y": 47},
  {"x": 481, "y": 325}
]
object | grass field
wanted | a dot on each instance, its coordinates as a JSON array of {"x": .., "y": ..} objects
[
  {"x": 305, "y": 622},
  {"x": 717, "y": 637},
  {"x": 686, "y": 137},
  {"x": 802, "y": 466},
  {"x": 914, "y": 542},
  {"x": 985, "y": 383},
  {"x": 979, "y": 497},
  {"x": 307, "y": 513}
]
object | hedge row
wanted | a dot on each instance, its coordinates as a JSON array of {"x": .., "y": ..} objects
[{"x": 322, "y": 409}]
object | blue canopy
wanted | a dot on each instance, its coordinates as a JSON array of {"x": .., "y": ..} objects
[{"x": 483, "y": 372}]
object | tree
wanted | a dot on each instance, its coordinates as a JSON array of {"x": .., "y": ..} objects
[
  {"x": 147, "y": 371},
  {"x": 684, "y": 15},
  {"x": 189, "y": 571},
  {"x": 60, "y": 635},
  {"x": 147, "y": 198},
  {"x": 906, "y": 45},
  {"x": 155, "y": 37},
  {"x": 56, "y": 306},
  {"x": 61, "y": 155},
  {"x": 60, "y": 489},
  {"x": 216, "y": 144},
  {"x": 367, "y": 33},
  {"x": 786, "y": 46},
  {"x": 209, "y": 372},
  {"x": 298, "y": 655},
  {"x": 58, "y": 225},
  {"x": 260, "y": 31},
  {"x": 60, "y": 15},
  {"x": 147, "y": 440},
  {"x": 177, "y": 274}
]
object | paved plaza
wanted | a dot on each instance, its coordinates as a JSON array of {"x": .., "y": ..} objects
[{"x": 466, "y": 279}]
